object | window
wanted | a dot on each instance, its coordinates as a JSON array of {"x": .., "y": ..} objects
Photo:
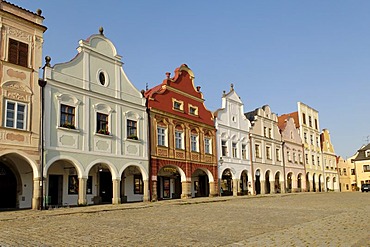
[
  {"x": 265, "y": 131},
  {"x": 244, "y": 151},
  {"x": 224, "y": 148},
  {"x": 366, "y": 168},
  {"x": 194, "y": 142},
  {"x": 138, "y": 184},
  {"x": 278, "y": 154},
  {"x": 294, "y": 157},
  {"x": 235, "y": 150},
  {"x": 207, "y": 145},
  {"x": 306, "y": 158},
  {"x": 178, "y": 105},
  {"x": 161, "y": 134},
  {"x": 268, "y": 153},
  {"x": 317, "y": 142},
  {"x": 288, "y": 156},
  {"x": 102, "y": 124},
  {"x": 367, "y": 153},
  {"x": 72, "y": 185},
  {"x": 67, "y": 116},
  {"x": 102, "y": 78},
  {"x": 132, "y": 129},
  {"x": 257, "y": 150},
  {"x": 313, "y": 159},
  {"x": 15, "y": 115},
  {"x": 305, "y": 137},
  {"x": 270, "y": 133},
  {"x": 18, "y": 53},
  {"x": 300, "y": 158},
  {"x": 304, "y": 118},
  {"x": 347, "y": 187},
  {"x": 316, "y": 125},
  {"x": 353, "y": 172},
  {"x": 310, "y": 121},
  {"x": 193, "y": 110},
  {"x": 311, "y": 138},
  {"x": 178, "y": 139},
  {"x": 344, "y": 171},
  {"x": 340, "y": 171},
  {"x": 318, "y": 160}
]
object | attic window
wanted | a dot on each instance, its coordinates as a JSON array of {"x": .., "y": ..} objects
[
  {"x": 177, "y": 105},
  {"x": 102, "y": 78},
  {"x": 367, "y": 153},
  {"x": 193, "y": 110}
]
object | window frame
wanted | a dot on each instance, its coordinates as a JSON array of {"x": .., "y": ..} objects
[
  {"x": 207, "y": 145},
  {"x": 99, "y": 128},
  {"x": 179, "y": 139},
  {"x": 194, "y": 142},
  {"x": 224, "y": 148},
  {"x": 234, "y": 147},
  {"x": 130, "y": 127},
  {"x": 19, "y": 53},
  {"x": 162, "y": 134},
  {"x": 67, "y": 124},
  {"x": 15, "y": 117},
  {"x": 138, "y": 188}
]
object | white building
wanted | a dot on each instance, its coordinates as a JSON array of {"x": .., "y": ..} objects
[
  {"x": 235, "y": 173},
  {"x": 95, "y": 129},
  {"x": 329, "y": 162},
  {"x": 267, "y": 161}
]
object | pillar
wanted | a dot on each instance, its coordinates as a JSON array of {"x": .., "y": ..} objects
[
  {"x": 154, "y": 191},
  {"x": 186, "y": 189},
  {"x": 36, "y": 198},
  {"x": 311, "y": 186},
  {"x": 213, "y": 189},
  {"x": 82, "y": 182},
  {"x": 235, "y": 186},
  {"x": 272, "y": 187},
  {"x": 282, "y": 189},
  {"x": 146, "y": 191},
  {"x": 263, "y": 187},
  {"x": 116, "y": 191}
]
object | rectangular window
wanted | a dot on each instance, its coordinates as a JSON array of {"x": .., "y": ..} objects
[
  {"x": 177, "y": 105},
  {"x": 207, "y": 145},
  {"x": 318, "y": 160},
  {"x": 288, "y": 156},
  {"x": 353, "y": 172},
  {"x": 313, "y": 159},
  {"x": 257, "y": 151},
  {"x": 270, "y": 133},
  {"x": 278, "y": 154},
  {"x": 366, "y": 168},
  {"x": 161, "y": 134},
  {"x": 244, "y": 151},
  {"x": 317, "y": 142},
  {"x": 194, "y": 143},
  {"x": 294, "y": 157},
  {"x": 344, "y": 171},
  {"x": 72, "y": 185},
  {"x": 102, "y": 124},
  {"x": 310, "y": 121},
  {"x": 235, "y": 150},
  {"x": 138, "y": 184},
  {"x": 316, "y": 125},
  {"x": 264, "y": 131},
  {"x": 89, "y": 185},
  {"x": 304, "y": 118},
  {"x": 132, "y": 129},
  {"x": 311, "y": 138},
  {"x": 307, "y": 159},
  {"x": 18, "y": 53},
  {"x": 224, "y": 148},
  {"x": 268, "y": 153},
  {"x": 193, "y": 110},
  {"x": 15, "y": 116},
  {"x": 67, "y": 116},
  {"x": 305, "y": 137},
  {"x": 300, "y": 158},
  {"x": 178, "y": 139}
]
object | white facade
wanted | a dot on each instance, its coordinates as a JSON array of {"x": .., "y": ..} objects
[
  {"x": 235, "y": 173},
  {"x": 266, "y": 155},
  {"x": 95, "y": 129},
  {"x": 329, "y": 162}
]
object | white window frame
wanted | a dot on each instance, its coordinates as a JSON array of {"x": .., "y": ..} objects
[
  {"x": 244, "y": 151},
  {"x": 179, "y": 139},
  {"x": 207, "y": 145},
  {"x": 224, "y": 147},
  {"x": 234, "y": 146},
  {"x": 268, "y": 153},
  {"x": 195, "y": 110},
  {"x": 194, "y": 147},
  {"x": 163, "y": 134},
  {"x": 69, "y": 100},
  {"x": 15, "y": 120}
]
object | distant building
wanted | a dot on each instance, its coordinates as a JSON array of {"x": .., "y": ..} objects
[
  {"x": 266, "y": 156},
  {"x": 182, "y": 139},
  {"x": 361, "y": 163},
  {"x": 293, "y": 151},
  {"x": 307, "y": 121},
  {"x": 95, "y": 129},
  {"x": 235, "y": 171},
  {"x": 330, "y": 162},
  {"x": 347, "y": 174},
  {"x": 21, "y": 58}
]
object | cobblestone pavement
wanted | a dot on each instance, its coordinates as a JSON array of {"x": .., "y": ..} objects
[{"x": 305, "y": 219}]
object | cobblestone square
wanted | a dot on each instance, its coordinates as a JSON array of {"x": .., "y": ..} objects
[{"x": 304, "y": 219}]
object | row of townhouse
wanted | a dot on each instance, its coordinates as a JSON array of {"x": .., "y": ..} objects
[
  {"x": 84, "y": 134},
  {"x": 355, "y": 170}
]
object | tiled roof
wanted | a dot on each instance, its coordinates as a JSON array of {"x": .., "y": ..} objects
[
  {"x": 362, "y": 153},
  {"x": 3, "y": 1},
  {"x": 283, "y": 117}
]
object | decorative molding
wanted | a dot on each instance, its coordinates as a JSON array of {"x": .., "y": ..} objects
[
  {"x": 18, "y": 75},
  {"x": 13, "y": 32},
  {"x": 15, "y": 137}
]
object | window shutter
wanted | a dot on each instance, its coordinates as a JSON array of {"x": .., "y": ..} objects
[
  {"x": 23, "y": 54},
  {"x": 13, "y": 51}
]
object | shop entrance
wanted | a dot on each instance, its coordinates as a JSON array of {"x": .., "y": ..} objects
[
  {"x": 8, "y": 188},
  {"x": 55, "y": 190},
  {"x": 169, "y": 183},
  {"x": 106, "y": 186},
  {"x": 226, "y": 183}
]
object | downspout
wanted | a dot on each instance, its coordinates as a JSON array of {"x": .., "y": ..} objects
[
  {"x": 283, "y": 154},
  {"x": 305, "y": 169},
  {"x": 42, "y": 84},
  {"x": 149, "y": 147},
  {"x": 251, "y": 159}
]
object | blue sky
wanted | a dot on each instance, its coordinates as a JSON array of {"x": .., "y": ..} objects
[{"x": 274, "y": 52}]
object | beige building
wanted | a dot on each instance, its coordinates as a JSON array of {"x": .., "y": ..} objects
[
  {"x": 329, "y": 162},
  {"x": 361, "y": 163},
  {"x": 20, "y": 60},
  {"x": 347, "y": 174}
]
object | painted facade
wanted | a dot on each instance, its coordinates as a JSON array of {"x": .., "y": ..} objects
[
  {"x": 235, "y": 171},
  {"x": 96, "y": 148},
  {"x": 182, "y": 137},
  {"x": 361, "y": 162},
  {"x": 347, "y": 174},
  {"x": 266, "y": 151},
  {"x": 307, "y": 121},
  {"x": 293, "y": 151},
  {"x": 20, "y": 60},
  {"x": 329, "y": 162}
]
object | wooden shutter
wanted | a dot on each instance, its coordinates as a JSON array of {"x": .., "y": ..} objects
[
  {"x": 23, "y": 54},
  {"x": 18, "y": 53},
  {"x": 13, "y": 51}
]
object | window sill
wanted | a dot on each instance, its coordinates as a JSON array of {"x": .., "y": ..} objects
[
  {"x": 68, "y": 129},
  {"x": 103, "y": 135},
  {"x": 14, "y": 129},
  {"x": 132, "y": 140}
]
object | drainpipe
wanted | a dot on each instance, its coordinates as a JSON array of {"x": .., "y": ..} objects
[
  {"x": 251, "y": 159},
  {"x": 283, "y": 154},
  {"x": 307, "y": 180},
  {"x": 42, "y": 84},
  {"x": 149, "y": 131}
]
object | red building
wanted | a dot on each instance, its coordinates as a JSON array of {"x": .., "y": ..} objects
[{"x": 182, "y": 139}]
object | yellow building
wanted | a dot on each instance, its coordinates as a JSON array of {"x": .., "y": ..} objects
[
  {"x": 330, "y": 162},
  {"x": 20, "y": 60},
  {"x": 347, "y": 175},
  {"x": 361, "y": 162}
]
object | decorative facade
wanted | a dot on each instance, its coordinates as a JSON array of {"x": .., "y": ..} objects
[
  {"x": 307, "y": 122},
  {"x": 266, "y": 151},
  {"x": 235, "y": 171},
  {"x": 347, "y": 174},
  {"x": 96, "y": 142},
  {"x": 182, "y": 139},
  {"x": 293, "y": 151},
  {"x": 329, "y": 162},
  {"x": 20, "y": 60}
]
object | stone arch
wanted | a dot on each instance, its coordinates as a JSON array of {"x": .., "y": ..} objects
[
  {"x": 76, "y": 164},
  {"x": 112, "y": 168},
  {"x": 143, "y": 171}
]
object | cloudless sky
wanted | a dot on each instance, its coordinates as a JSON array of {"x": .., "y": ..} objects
[{"x": 274, "y": 52}]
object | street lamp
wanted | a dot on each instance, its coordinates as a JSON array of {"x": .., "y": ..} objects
[{"x": 220, "y": 161}]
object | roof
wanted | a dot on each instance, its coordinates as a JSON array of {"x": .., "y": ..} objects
[
  {"x": 361, "y": 153},
  {"x": 3, "y": 1},
  {"x": 282, "y": 118}
]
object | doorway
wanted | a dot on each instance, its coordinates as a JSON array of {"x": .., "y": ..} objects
[
  {"x": 8, "y": 188},
  {"x": 55, "y": 190},
  {"x": 106, "y": 186}
]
